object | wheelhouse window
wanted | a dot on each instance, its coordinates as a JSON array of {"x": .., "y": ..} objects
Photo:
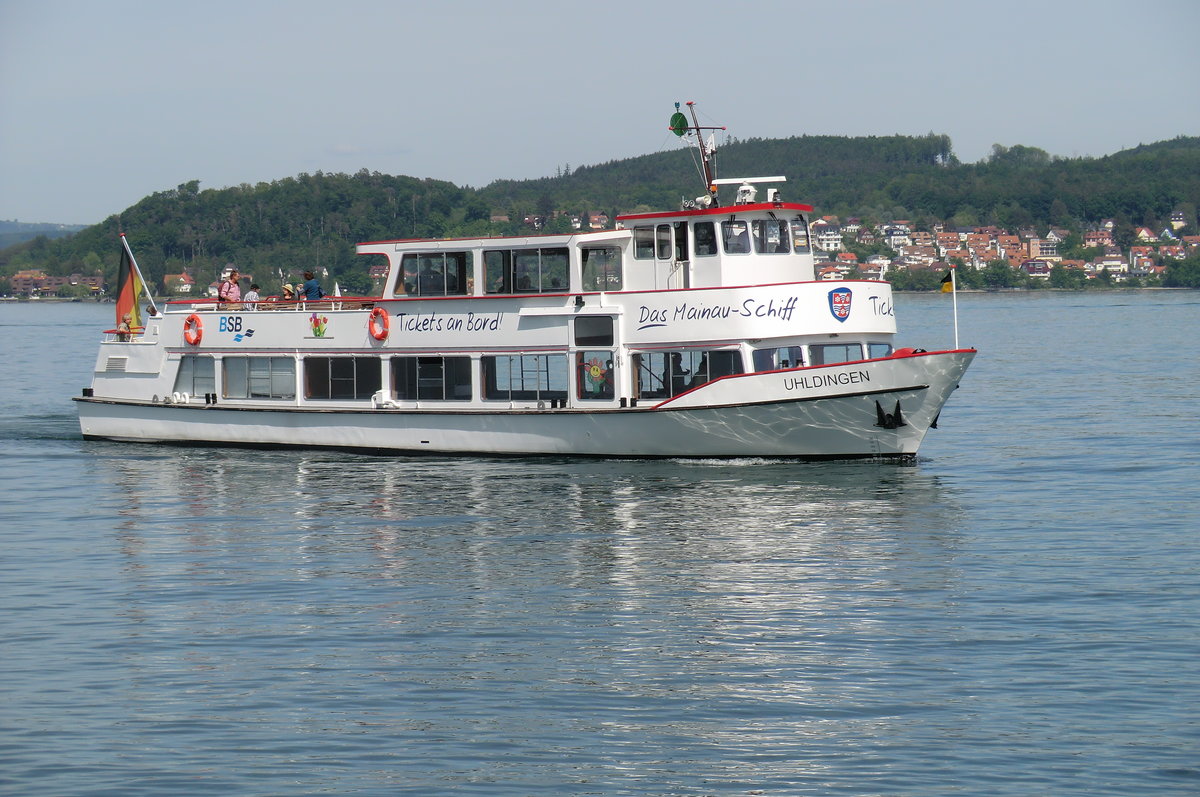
[
  {"x": 432, "y": 378},
  {"x": 643, "y": 243},
  {"x": 800, "y": 243},
  {"x": 541, "y": 270},
  {"x": 662, "y": 374},
  {"x": 343, "y": 378},
  {"x": 662, "y": 242},
  {"x": 524, "y": 377},
  {"x": 736, "y": 235},
  {"x": 771, "y": 237},
  {"x": 705, "y": 235},
  {"x": 829, "y": 353},
  {"x": 601, "y": 268},
  {"x": 434, "y": 274},
  {"x": 259, "y": 377},
  {"x": 776, "y": 358},
  {"x": 196, "y": 375},
  {"x": 876, "y": 351}
]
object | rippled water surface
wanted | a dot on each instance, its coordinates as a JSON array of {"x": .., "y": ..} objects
[{"x": 1016, "y": 613}]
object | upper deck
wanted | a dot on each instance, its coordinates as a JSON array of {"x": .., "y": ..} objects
[{"x": 734, "y": 246}]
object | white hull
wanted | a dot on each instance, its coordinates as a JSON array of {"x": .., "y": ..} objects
[{"x": 789, "y": 420}]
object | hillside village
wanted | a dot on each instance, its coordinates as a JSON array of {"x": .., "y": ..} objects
[
  {"x": 912, "y": 251},
  {"x": 977, "y": 247}
]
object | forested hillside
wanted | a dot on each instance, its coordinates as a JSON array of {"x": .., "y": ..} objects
[{"x": 313, "y": 221}]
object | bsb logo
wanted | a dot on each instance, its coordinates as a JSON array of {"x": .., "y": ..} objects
[{"x": 839, "y": 303}]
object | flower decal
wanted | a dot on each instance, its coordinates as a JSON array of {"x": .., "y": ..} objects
[
  {"x": 595, "y": 374},
  {"x": 318, "y": 324}
]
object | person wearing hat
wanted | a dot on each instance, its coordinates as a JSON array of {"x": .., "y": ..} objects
[{"x": 289, "y": 293}]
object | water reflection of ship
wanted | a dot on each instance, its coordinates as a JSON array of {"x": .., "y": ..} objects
[{"x": 619, "y": 517}]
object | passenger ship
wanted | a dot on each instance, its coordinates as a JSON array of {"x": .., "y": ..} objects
[{"x": 699, "y": 332}]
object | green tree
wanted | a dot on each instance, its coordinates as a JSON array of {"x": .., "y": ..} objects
[
  {"x": 1066, "y": 278},
  {"x": 999, "y": 274},
  {"x": 1183, "y": 273}
]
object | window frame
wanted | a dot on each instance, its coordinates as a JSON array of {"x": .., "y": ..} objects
[
  {"x": 741, "y": 238},
  {"x": 198, "y": 384},
  {"x": 453, "y": 369},
  {"x": 364, "y": 377},
  {"x": 535, "y": 368},
  {"x": 599, "y": 276},
  {"x": 280, "y": 373}
]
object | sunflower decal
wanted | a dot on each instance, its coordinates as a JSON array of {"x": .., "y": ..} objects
[
  {"x": 595, "y": 374},
  {"x": 318, "y": 325}
]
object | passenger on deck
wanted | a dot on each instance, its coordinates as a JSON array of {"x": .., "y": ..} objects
[
  {"x": 252, "y": 297},
  {"x": 125, "y": 328},
  {"x": 229, "y": 292},
  {"x": 288, "y": 293},
  {"x": 312, "y": 288}
]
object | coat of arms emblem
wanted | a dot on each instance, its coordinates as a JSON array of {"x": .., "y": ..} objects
[{"x": 839, "y": 303}]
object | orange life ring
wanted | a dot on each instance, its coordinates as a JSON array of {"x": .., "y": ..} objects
[
  {"x": 193, "y": 330},
  {"x": 379, "y": 323}
]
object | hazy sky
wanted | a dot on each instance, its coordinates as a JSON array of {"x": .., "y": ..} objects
[{"x": 105, "y": 101}]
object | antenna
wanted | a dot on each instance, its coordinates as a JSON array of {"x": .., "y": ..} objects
[{"x": 680, "y": 127}]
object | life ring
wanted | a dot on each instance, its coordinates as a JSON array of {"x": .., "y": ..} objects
[
  {"x": 193, "y": 330},
  {"x": 379, "y": 323}
]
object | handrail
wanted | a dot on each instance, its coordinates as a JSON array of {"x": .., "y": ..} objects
[{"x": 274, "y": 303}]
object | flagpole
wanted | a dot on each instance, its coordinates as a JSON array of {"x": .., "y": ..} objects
[
  {"x": 954, "y": 300},
  {"x": 142, "y": 279}
]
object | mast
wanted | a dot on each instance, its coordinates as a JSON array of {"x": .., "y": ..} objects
[{"x": 679, "y": 126}]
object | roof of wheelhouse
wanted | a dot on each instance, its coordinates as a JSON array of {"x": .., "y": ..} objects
[{"x": 723, "y": 210}]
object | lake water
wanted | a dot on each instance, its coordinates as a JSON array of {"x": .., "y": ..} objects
[{"x": 1015, "y": 613}]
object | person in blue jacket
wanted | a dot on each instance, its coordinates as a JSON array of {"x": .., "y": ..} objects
[{"x": 312, "y": 288}]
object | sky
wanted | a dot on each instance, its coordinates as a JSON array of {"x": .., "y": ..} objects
[{"x": 103, "y": 102}]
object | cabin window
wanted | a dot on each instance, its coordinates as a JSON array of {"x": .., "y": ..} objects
[
  {"x": 662, "y": 241},
  {"x": 643, "y": 243},
  {"x": 259, "y": 377},
  {"x": 526, "y": 270},
  {"x": 662, "y": 374},
  {"x": 197, "y": 375},
  {"x": 800, "y": 235},
  {"x": 736, "y": 235},
  {"x": 344, "y": 378},
  {"x": 829, "y": 353},
  {"x": 524, "y": 377},
  {"x": 497, "y": 271},
  {"x": 782, "y": 357},
  {"x": 432, "y": 378},
  {"x": 771, "y": 237},
  {"x": 594, "y": 375},
  {"x": 601, "y": 268},
  {"x": 705, "y": 235},
  {"x": 876, "y": 351},
  {"x": 594, "y": 330},
  {"x": 434, "y": 274}
]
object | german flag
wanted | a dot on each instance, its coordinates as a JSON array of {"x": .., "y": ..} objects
[{"x": 129, "y": 287}]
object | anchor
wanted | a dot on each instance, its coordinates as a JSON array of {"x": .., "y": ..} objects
[{"x": 892, "y": 420}]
